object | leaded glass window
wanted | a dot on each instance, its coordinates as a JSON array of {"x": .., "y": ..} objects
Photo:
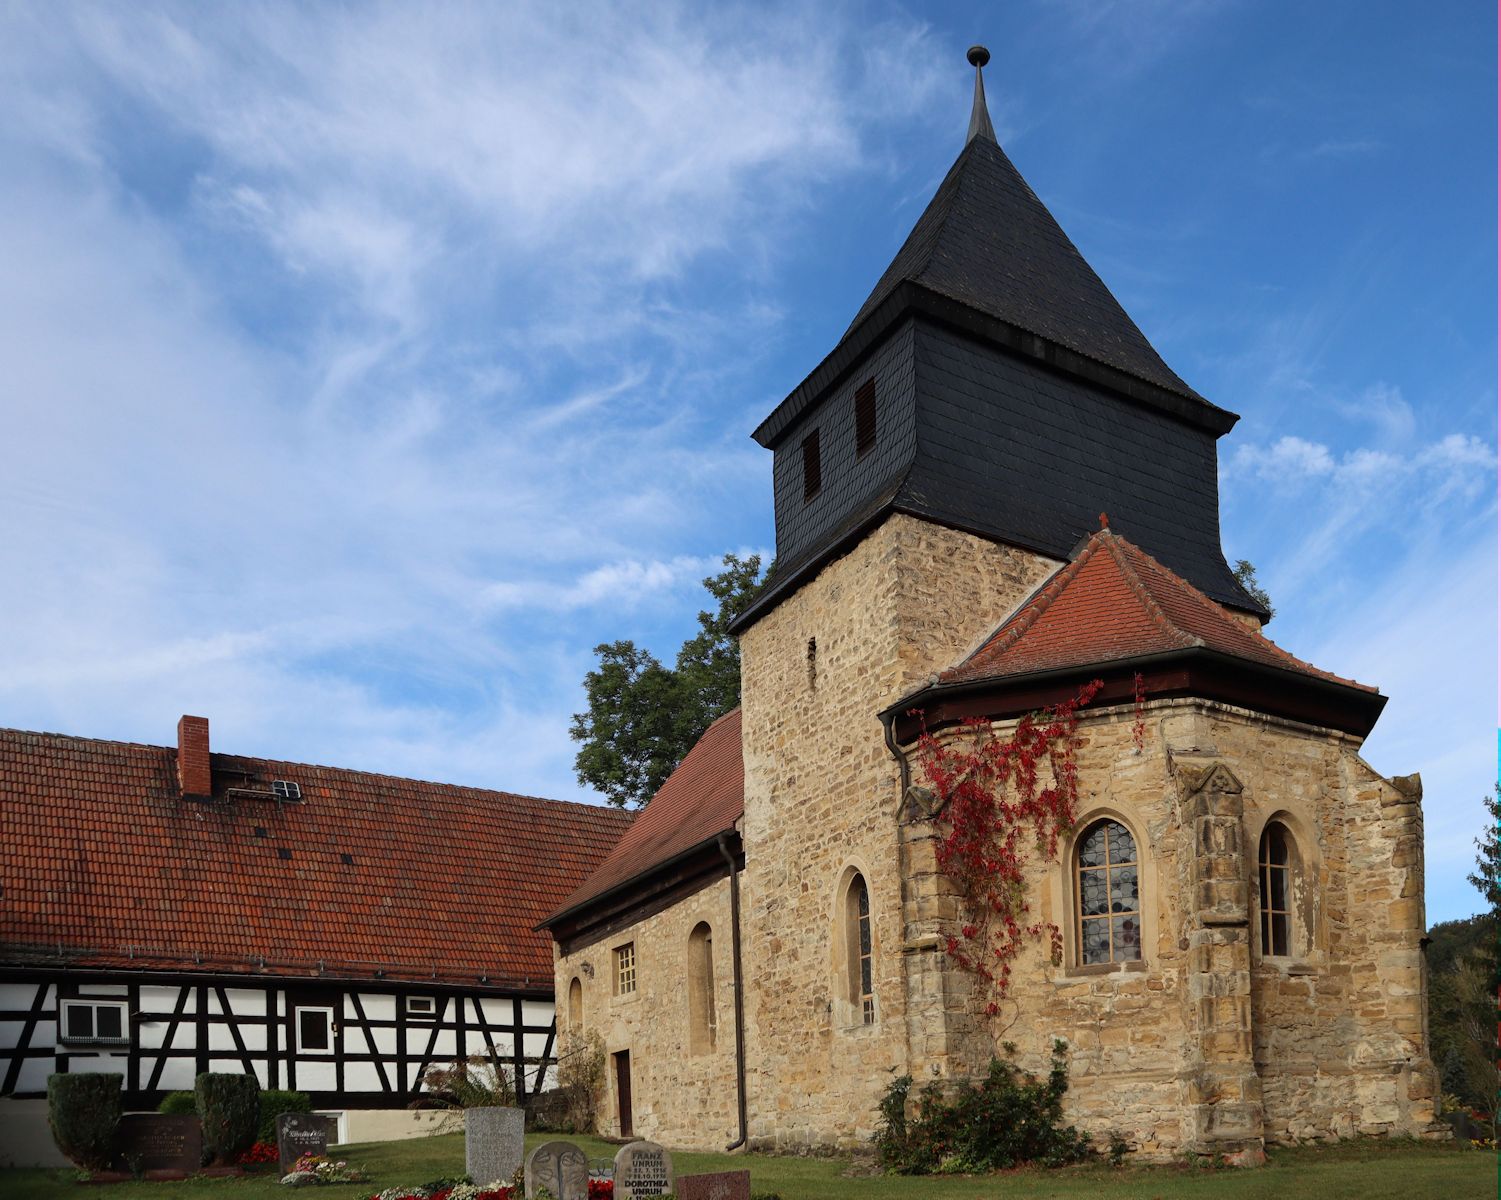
[
  {"x": 859, "y": 951},
  {"x": 1276, "y": 891},
  {"x": 1109, "y": 896}
]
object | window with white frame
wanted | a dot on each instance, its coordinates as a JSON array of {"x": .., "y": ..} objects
[
  {"x": 625, "y": 969},
  {"x": 95, "y": 1023},
  {"x": 422, "y": 1008},
  {"x": 315, "y": 1031}
]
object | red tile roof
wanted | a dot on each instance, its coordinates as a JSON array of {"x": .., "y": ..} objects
[
  {"x": 1115, "y": 602},
  {"x": 703, "y": 798},
  {"x": 105, "y": 864}
]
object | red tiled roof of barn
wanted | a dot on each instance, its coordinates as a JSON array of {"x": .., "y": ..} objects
[
  {"x": 1116, "y": 602},
  {"x": 107, "y": 865},
  {"x": 703, "y": 798}
]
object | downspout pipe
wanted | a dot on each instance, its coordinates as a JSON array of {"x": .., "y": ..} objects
[{"x": 739, "y": 991}]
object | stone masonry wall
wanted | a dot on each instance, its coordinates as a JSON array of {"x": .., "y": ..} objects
[
  {"x": 821, "y": 801},
  {"x": 682, "y": 1099},
  {"x": 1207, "y": 1046}
]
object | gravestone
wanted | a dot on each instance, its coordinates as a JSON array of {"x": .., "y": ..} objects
[
  {"x": 722, "y": 1185},
  {"x": 493, "y": 1143},
  {"x": 302, "y": 1133},
  {"x": 156, "y": 1142},
  {"x": 642, "y": 1169},
  {"x": 561, "y": 1168}
]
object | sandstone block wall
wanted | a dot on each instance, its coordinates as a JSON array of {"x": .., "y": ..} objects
[
  {"x": 1208, "y": 1045},
  {"x": 683, "y": 1099},
  {"x": 821, "y": 801}
]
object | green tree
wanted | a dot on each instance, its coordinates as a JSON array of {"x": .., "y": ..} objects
[
  {"x": 1487, "y": 878},
  {"x": 642, "y": 717},
  {"x": 1245, "y": 575}
]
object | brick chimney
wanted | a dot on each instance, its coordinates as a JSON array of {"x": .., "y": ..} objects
[{"x": 193, "y": 772}]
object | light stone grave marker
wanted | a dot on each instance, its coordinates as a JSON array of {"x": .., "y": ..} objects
[
  {"x": 721, "y": 1185},
  {"x": 302, "y": 1133},
  {"x": 559, "y": 1167},
  {"x": 493, "y": 1143},
  {"x": 642, "y": 1169}
]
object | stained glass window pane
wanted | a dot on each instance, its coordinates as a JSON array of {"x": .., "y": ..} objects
[
  {"x": 1092, "y": 848},
  {"x": 1097, "y": 940},
  {"x": 1123, "y": 889},
  {"x": 1092, "y": 893},
  {"x": 1126, "y": 933},
  {"x": 1122, "y": 845}
]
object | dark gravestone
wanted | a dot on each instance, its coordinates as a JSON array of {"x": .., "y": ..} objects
[
  {"x": 302, "y": 1133},
  {"x": 722, "y": 1185},
  {"x": 493, "y": 1145},
  {"x": 157, "y": 1142},
  {"x": 642, "y": 1169},
  {"x": 560, "y": 1168}
]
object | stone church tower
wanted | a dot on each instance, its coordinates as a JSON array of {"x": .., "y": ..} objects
[{"x": 1241, "y": 899}]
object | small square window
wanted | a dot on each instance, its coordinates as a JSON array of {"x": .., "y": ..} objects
[
  {"x": 625, "y": 969},
  {"x": 315, "y": 1030},
  {"x": 95, "y": 1023},
  {"x": 422, "y": 1008},
  {"x": 284, "y": 790},
  {"x": 812, "y": 466}
]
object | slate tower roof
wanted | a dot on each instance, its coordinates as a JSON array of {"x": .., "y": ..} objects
[{"x": 1010, "y": 395}]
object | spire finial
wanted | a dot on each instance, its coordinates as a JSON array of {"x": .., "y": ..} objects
[
  {"x": 979, "y": 117},
  {"x": 1104, "y": 521}
]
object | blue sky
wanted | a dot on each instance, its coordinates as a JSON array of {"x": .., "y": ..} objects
[{"x": 366, "y": 365}]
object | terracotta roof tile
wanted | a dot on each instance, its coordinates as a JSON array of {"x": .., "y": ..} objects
[
  {"x": 1114, "y": 602},
  {"x": 106, "y": 864},
  {"x": 703, "y": 798}
]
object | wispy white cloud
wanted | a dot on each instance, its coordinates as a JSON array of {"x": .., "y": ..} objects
[{"x": 346, "y": 349}]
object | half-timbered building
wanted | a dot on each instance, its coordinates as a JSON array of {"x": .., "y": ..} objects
[{"x": 167, "y": 911}]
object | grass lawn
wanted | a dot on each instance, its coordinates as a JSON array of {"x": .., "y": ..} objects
[{"x": 1364, "y": 1170}]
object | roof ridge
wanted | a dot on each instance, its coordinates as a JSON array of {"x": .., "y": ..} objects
[
  {"x": 284, "y": 762},
  {"x": 1143, "y": 593},
  {"x": 1218, "y": 612}
]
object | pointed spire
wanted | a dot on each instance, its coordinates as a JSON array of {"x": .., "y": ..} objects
[{"x": 979, "y": 117}]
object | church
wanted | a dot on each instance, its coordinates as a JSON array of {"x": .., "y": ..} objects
[{"x": 992, "y": 493}]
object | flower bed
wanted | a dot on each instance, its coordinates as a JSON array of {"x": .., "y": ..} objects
[
  {"x": 261, "y": 1154},
  {"x": 446, "y": 1189}
]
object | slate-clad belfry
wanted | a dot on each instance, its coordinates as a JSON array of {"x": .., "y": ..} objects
[{"x": 1241, "y": 897}]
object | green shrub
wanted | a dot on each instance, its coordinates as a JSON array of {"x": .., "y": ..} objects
[
  {"x": 178, "y": 1104},
  {"x": 82, "y": 1111},
  {"x": 229, "y": 1108},
  {"x": 273, "y": 1104},
  {"x": 1011, "y": 1118}
]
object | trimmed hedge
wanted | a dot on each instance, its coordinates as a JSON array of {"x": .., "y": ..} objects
[
  {"x": 273, "y": 1104},
  {"x": 178, "y": 1104},
  {"x": 83, "y": 1111},
  {"x": 229, "y": 1108}
]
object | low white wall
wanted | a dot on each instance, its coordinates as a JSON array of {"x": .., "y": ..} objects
[
  {"x": 393, "y": 1124},
  {"x": 25, "y": 1139}
]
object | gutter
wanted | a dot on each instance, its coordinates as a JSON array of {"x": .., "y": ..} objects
[
  {"x": 1359, "y": 694},
  {"x": 739, "y": 994},
  {"x": 627, "y": 884}
]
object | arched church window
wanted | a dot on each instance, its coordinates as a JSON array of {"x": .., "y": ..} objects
[
  {"x": 859, "y": 952},
  {"x": 575, "y": 1004},
  {"x": 1109, "y": 897},
  {"x": 703, "y": 1023},
  {"x": 1277, "y": 863}
]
